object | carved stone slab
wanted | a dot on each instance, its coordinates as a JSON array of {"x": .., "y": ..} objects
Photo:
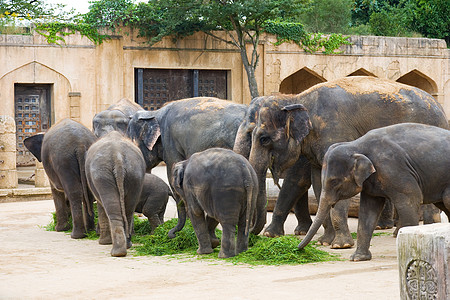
[{"x": 424, "y": 261}]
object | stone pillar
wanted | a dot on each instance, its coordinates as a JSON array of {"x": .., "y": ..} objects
[
  {"x": 40, "y": 178},
  {"x": 424, "y": 261},
  {"x": 75, "y": 106},
  {"x": 8, "y": 172}
]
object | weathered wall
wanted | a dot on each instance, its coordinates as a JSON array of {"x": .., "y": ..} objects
[{"x": 85, "y": 78}]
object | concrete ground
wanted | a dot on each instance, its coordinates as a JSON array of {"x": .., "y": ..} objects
[{"x": 38, "y": 264}]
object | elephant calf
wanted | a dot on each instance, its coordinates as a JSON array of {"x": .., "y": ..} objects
[
  {"x": 223, "y": 185},
  {"x": 153, "y": 201},
  {"x": 406, "y": 163},
  {"x": 115, "y": 170}
]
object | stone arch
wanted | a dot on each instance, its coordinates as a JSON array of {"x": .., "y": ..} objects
[
  {"x": 420, "y": 80},
  {"x": 361, "y": 72},
  {"x": 300, "y": 81},
  {"x": 37, "y": 73}
]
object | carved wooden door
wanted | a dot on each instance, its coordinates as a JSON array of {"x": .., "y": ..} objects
[{"x": 32, "y": 115}]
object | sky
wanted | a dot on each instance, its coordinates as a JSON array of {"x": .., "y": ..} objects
[{"x": 81, "y": 6}]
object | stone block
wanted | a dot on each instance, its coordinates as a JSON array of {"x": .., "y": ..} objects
[
  {"x": 8, "y": 179},
  {"x": 424, "y": 261},
  {"x": 41, "y": 179},
  {"x": 7, "y": 160},
  {"x": 7, "y": 125}
]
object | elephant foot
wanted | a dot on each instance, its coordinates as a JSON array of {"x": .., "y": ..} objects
[
  {"x": 325, "y": 239},
  {"x": 342, "y": 242},
  {"x": 361, "y": 256},
  {"x": 119, "y": 252},
  {"x": 274, "y": 230},
  {"x": 204, "y": 250},
  {"x": 78, "y": 234},
  {"x": 225, "y": 255},
  {"x": 215, "y": 242},
  {"x": 302, "y": 229},
  {"x": 64, "y": 227},
  {"x": 384, "y": 224},
  {"x": 105, "y": 240}
]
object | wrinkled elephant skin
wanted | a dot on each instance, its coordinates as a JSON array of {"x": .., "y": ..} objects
[
  {"x": 219, "y": 186},
  {"x": 337, "y": 111},
  {"x": 62, "y": 153},
  {"x": 182, "y": 128},
  {"x": 407, "y": 163},
  {"x": 115, "y": 172}
]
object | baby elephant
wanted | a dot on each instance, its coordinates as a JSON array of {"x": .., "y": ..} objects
[
  {"x": 153, "y": 201},
  {"x": 115, "y": 172},
  {"x": 406, "y": 163},
  {"x": 223, "y": 185}
]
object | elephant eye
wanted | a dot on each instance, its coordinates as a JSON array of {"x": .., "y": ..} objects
[
  {"x": 265, "y": 140},
  {"x": 334, "y": 182}
]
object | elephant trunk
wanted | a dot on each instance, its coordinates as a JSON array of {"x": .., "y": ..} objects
[
  {"x": 260, "y": 166},
  {"x": 243, "y": 141},
  {"x": 322, "y": 213}
]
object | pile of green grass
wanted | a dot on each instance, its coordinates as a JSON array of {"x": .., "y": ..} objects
[{"x": 262, "y": 250}]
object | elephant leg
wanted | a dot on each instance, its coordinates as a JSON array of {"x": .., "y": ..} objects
[
  {"x": 212, "y": 224},
  {"x": 339, "y": 217},
  {"x": 291, "y": 194},
  {"x": 329, "y": 232},
  {"x": 431, "y": 214},
  {"x": 369, "y": 211},
  {"x": 75, "y": 197},
  {"x": 103, "y": 224},
  {"x": 228, "y": 244},
  {"x": 301, "y": 210},
  {"x": 198, "y": 221},
  {"x": 407, "y": 206},
  {"x": 62, "y": 210},
  {"x": 119, "y": 238},
  {"x": 242, "y": 238},
  {"x": 386, "y": 220}
]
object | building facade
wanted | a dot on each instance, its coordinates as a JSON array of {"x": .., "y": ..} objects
[{"x": 41, "y": 84}]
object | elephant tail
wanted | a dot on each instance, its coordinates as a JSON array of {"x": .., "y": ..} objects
[
  {"x": 87, "y": 200},
  {"x": 119, "y": 174}
]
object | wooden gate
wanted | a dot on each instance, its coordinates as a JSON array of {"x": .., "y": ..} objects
[
  {"x": 32, "y": 115},
  {"x": 154, "y": 87}
]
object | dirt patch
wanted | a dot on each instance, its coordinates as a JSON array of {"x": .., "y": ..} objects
[{"x": 38, "y": 264}]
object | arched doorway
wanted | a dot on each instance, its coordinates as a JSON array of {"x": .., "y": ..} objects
[
  {"x": 300, "y": 81},
  {"x": 420, "y": 80},
  {"x": 361, "y": 72}
]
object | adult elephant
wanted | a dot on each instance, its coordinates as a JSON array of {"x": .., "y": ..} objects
[
  {"x": 62, "y": 152},
  {"x": 181, "y": 128},
  {"x": 116, "y": 117},
  {"x": 337, "y": 111}
]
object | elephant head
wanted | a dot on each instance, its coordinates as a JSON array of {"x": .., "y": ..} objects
[
  {"x": 115, "y": 118},
  {"x": 280, "y": 128},
  {"x": 145, "y": 131},
  {"x": 243, "y": 141},
  {"x": 34, "y": 145},
  {"x": 343, "y": 174}
]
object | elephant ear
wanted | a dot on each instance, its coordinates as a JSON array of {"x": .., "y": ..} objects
[
  {"x": 34, "y": 145},
  {"x": 362, "y": 168},
  {"x": 144, "y": 128},
  {"x": 298, "y": 124}
]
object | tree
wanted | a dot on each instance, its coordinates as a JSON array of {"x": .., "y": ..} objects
[
  {"x": 327, "y": 16},
  {"x": 431, "y": 18},
  {"x": 243, "y": 21}
]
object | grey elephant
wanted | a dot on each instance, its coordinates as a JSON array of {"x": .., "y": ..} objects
[
  {"x": 308, "y": 123},
  {"x": 115, "y": 172},
  {"x": 153, "y": 200},
  {"x": 223, "y": 185},
  {"x": 115, "y": 117},
  {"x": 62, "y": 152},
  {"x": 182, "y": 128},
  {"x": 406, "y": 163}
]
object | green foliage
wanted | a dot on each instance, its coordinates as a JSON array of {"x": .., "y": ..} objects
[
  {"x": 432, "y": 18},
  {"x": 262, "y": 250},
  {"x": 327, "y": 16},
  {"x": 55, "y": 32},
  {"x": 310, "y": 42}
]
